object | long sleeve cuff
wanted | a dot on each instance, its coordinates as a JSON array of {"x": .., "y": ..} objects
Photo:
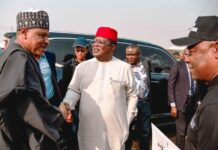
[
  {"x": 173, "y": 104},
  {"x": 71, "y": 98}
]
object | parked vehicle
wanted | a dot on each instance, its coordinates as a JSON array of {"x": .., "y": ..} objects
[{"x": 161, "y": 61}]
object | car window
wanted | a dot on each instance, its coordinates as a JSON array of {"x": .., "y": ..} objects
[
  {"x": 61, "y": 47},
  {"x": 160, "y": 60}
]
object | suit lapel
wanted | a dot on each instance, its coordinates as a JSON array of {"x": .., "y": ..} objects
[{"x": 186, "y": 73}]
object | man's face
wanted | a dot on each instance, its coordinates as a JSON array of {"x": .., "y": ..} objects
[
  {"x": 132, "y": 56},
  {"x": 102, "y": 49},
  {"x": 199, "y": 60},
  {"x": 181, "y": 55},
  {"x": 36, "y": 41},
  {"x": 80, "y": 53}
]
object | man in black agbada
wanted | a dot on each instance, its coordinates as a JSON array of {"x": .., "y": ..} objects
[{"x": 27, "y": 120}]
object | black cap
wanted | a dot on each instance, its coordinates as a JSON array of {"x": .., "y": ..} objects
[{"x": 205, "y": 29}]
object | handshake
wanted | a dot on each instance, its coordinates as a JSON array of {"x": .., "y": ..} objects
[{"x": 66, "y": 112}]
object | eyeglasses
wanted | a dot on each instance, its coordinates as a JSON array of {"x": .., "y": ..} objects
[
  {"x": 82, "y": 51},
  {"x": 102, "y": 43}
]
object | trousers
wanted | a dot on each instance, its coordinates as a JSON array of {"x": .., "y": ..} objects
[{"x": 140, "y": 128}]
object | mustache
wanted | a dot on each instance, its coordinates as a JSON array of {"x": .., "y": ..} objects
[
  {"x": 93, "y": 49},
  {"x": 45, "y": 46}
]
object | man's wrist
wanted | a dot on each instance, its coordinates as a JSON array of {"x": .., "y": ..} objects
[{"x": 67, "y": 105}]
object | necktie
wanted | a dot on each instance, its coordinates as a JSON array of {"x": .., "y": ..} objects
[{"x": 192, "y": 87}]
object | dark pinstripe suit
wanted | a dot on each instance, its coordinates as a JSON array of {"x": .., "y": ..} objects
[{"x": 178, "y": 91}]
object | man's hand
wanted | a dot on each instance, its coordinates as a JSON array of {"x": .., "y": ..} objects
[
  {"x": 173, "y": 112},
  {"x": 66, "y": 112}
]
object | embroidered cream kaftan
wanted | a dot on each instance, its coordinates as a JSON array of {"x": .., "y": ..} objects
[{"x": 107, "y": 103}]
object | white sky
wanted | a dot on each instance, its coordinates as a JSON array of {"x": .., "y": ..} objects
[{"x": 155, "y": 21}]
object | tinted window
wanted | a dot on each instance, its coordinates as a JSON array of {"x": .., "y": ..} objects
[
  {"x": 160, "y": 60},
  {"x": 61, "y": 47}
]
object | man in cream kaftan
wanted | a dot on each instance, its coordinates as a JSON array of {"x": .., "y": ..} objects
[
  {"x": 107, "y": 103},
  {"x": 106, "y": 90}
]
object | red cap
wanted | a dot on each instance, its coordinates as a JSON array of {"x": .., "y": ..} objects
[{"x": 107, "y": 32}]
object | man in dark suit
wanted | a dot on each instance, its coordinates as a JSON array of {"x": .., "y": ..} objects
[{"x": 180, "y": 95}]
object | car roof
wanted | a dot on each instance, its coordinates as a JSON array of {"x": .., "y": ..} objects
[{"x": 89, "y": 36}]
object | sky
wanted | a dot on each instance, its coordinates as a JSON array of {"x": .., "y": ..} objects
[{"x": 154, "y": 21}]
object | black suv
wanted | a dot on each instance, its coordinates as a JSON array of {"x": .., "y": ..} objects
[{"x": 161, "y": 61}]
